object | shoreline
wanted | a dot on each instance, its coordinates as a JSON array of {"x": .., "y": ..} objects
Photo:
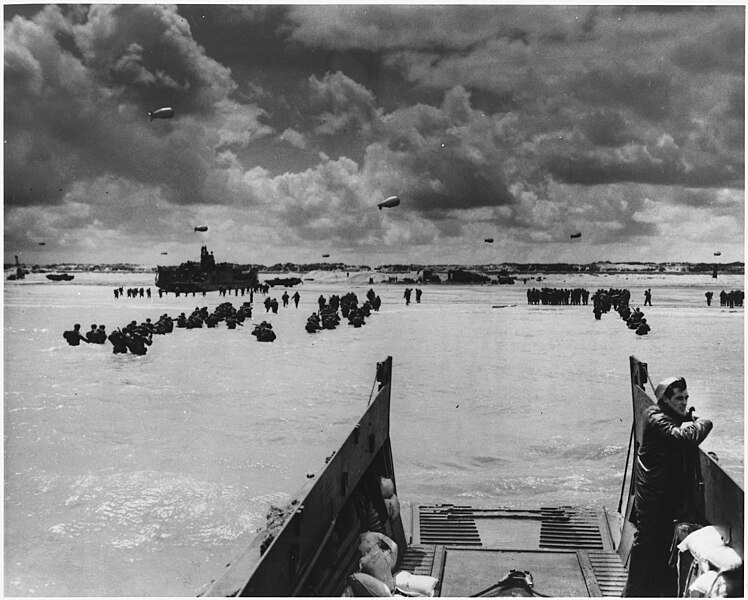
[{"x": 527, "y": 270}]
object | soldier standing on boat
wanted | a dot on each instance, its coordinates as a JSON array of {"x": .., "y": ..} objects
[{"x": 666, "y": 457}]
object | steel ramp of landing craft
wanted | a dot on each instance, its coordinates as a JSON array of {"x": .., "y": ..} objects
[{"x": 569, "y": 551}]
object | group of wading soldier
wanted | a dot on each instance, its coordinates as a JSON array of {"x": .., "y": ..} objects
[
  {"x": 97, "y": 335},
  {"x": 132, "y": 337},
  {"x": 666, "y": 458}
]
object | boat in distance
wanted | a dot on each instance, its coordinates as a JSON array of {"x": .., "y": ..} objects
[
  {"x": 206, "y": 275},
  {"x": 284, "y": 281},
  {"x": 313, "y": 545},
  {"x": 60, "y": 277}
]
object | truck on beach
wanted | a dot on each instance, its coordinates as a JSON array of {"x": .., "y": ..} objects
[
  {"x": 315, "y": 544},
  {"x": 206, "y": 275}
]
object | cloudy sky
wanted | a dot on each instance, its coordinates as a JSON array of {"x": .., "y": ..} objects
[{"x": 524, "y": 124}]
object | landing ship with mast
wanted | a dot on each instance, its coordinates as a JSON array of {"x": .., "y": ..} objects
[{"x": 205, "y": 275}]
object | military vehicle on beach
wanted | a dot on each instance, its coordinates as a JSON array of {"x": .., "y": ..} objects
[
  {"x": 205, "y": 275},
  {"x": 284, "y": 281},
  {"x": 60, "y": 277},
  {"x": 313, "y": 546}
]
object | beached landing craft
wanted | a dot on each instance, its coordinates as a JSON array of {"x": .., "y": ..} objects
[
  {"x": 284, "y": 281},
  {"x": 60, "y": 277},
  {"x": 312, "y": 546},
  {"x": 206, "y": 275}
]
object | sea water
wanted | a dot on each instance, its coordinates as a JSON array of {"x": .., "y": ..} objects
[{"x": 145, "y": 475}]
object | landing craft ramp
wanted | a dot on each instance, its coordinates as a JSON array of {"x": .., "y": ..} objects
[
  {"x": 569, "y": 552},
  {"x": 313, "y": 549}
]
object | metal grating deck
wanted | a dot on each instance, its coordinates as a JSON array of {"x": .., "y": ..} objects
[
  {"x": 424, "y": 560},
  {"x": 561, "y": 528},
  {"x": 610, "y": 573},
  {"x": 448, "y": 525},
  {"x": 418, "y": 560},
  {"x": 570, "y": 528}
]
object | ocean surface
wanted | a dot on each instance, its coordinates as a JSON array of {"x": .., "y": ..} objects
[{"x": 144, "y": 475}]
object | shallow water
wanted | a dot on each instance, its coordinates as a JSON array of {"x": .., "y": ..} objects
[{"x": 131, "y": 475}]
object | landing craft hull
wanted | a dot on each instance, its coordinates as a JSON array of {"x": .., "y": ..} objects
[
  {"x": 205, "y": 275},
  {"x": 284, "y": 281},
  {"x": 718, "y": 499},
  {"x": 60, "y": 277},
  {"x": 200, "y": 286},
  {"x": 194, "y": 280},
  {"x": 311, "y": 547}
]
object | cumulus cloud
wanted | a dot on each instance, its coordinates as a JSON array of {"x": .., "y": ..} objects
[
  {"x": 341, "y": 105},
  {"x": 77, "y": 110},
  {"x": 167, "y": 61},
  {"x": 428, "y": 27},
  {"x": 292, "y": 122},
  {"x": 441, "y": 158},
  {"x": 294, "y": 138}
]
